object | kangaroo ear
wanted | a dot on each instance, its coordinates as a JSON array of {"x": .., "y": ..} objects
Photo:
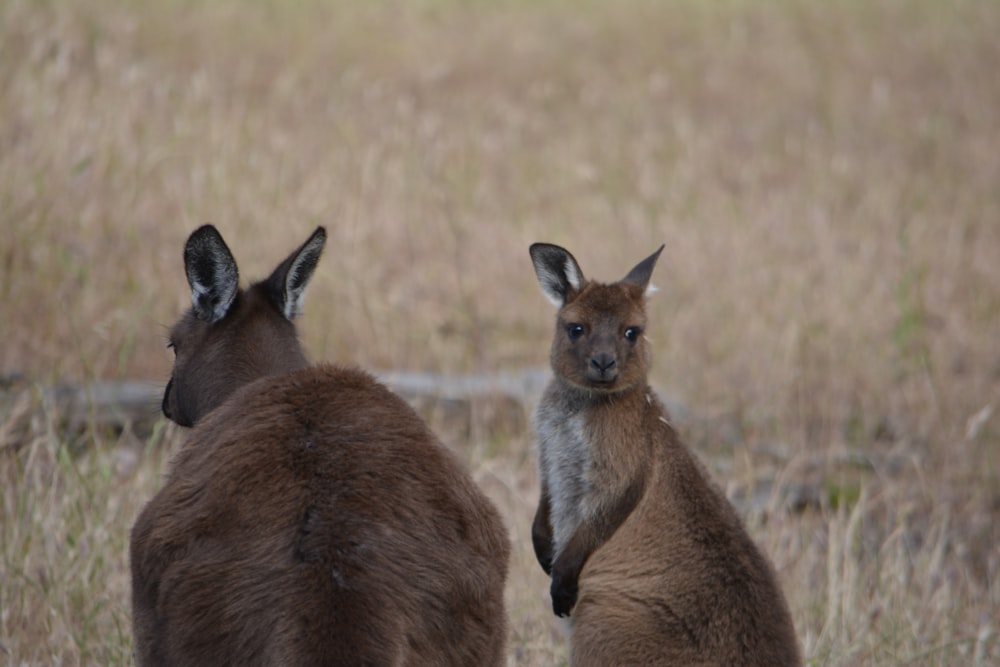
[
  {"x": 211, "y": 273},
  {"x": 557, "y": 271},
  {"x": 288, "y": 282},
  {"x": 640, "y": 275}
]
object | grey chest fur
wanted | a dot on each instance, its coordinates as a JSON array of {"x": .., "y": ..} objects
[{"x": 564, "y": 464}]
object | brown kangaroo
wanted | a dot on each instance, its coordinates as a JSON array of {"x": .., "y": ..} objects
[
  {"x": 647, "y": 556},
  {"x": 311, "y": 518}
]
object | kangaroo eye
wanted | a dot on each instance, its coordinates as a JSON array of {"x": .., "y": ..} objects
[
  {"x": 172, "y": 347},
  {"x": 632, "y": 334},
  {"x": 574, "y": 331}
]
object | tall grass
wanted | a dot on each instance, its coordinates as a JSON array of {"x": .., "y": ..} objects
[{"x": 824, "y": 176}]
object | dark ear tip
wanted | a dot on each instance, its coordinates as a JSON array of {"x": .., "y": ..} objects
[
  {"x": 316, "y": 241},
  {"x": 205, "y": 231},
  {"x": 204, "y": 239},
  {"x": 540, "y": 250}
]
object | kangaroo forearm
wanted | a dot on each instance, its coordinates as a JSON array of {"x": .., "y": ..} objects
[
  {"x": 588, "y": 536},
  {"x": 567, "y": 566},
  {"x": 541, "y": 535}
]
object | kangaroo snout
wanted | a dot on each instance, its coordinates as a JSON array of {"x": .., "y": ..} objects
[
  {"x": 603, "y": 367},
  {"x": 165, "y": 406}
]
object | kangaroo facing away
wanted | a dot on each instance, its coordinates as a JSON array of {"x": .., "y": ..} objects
[
  {"x": 647, "y": 557},
  {"x": 311, "y": 518}
]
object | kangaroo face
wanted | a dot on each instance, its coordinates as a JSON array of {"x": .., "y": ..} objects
[{"x": 599, "y": 342}]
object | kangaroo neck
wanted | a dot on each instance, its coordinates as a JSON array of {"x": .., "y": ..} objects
[{"x": 576, "y": 400}]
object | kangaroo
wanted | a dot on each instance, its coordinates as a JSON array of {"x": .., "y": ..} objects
[
  {"x": 311, "y": 518},
  {"x": 647, "y": 557}
]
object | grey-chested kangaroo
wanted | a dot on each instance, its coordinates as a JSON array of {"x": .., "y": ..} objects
[
  {"x": 647, "y": 556},
  {"x": 311, "y": 517}
]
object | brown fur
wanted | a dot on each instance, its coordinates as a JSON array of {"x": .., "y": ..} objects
[
  {"x": 312, "y": 518},
  {"x": 647, "y": 557}
]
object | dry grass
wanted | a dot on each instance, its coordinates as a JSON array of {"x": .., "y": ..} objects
[{"x": 824, "y": 176}]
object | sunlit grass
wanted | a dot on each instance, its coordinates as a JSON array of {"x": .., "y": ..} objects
[
  {"x": 65, "y": 583},
  {"x": 824, "y": 176}
]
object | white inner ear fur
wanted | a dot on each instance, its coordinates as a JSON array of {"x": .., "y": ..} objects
[
  {"x": 572, "y": 274},
  {"x": 201, "y": 293},
  {"x": 293, "y": 297},
  {"x": 197, "y": 291},
  {"x": 550, "y": 283},
  {"x": 651, "y": 289}
]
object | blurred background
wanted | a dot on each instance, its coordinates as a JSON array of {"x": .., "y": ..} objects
[{"x": 825, "y": 176}]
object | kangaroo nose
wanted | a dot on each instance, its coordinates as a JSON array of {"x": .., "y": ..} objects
[
  {"x": 165, "y": 405},
  {"x": 603, "y": 363}
]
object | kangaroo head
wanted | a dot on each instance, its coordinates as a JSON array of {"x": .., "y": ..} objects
[
  {"x": 599, "y": 343},
  {"x": 230, "y": 337}
]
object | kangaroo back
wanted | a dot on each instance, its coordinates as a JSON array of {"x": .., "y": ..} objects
[
  {"x": 647, "y": 557},
  {"x": 311, "y": 518}
]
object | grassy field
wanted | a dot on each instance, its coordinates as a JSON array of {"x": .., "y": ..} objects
[{"x": 825, "y": 175}]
